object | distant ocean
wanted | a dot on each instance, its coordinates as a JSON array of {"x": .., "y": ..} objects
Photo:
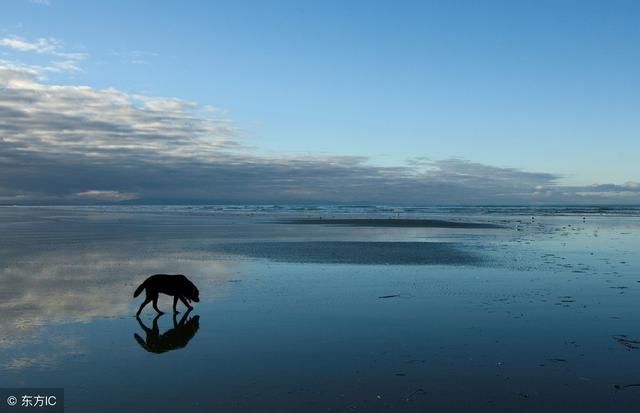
[{"x": 383, "y": 210}]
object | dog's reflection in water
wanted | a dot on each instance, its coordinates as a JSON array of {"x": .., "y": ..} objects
[{"x": 172, "y": 339}]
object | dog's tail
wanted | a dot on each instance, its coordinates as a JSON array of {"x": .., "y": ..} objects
[{"x": 139, "y": 289}]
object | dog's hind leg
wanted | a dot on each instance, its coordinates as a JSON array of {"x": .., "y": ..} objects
[
  {"x": 146, "y": 301},
  {"x": 155, "y": 304}
]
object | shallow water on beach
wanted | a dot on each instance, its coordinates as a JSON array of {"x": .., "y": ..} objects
[{"x": 530, "y": 315}]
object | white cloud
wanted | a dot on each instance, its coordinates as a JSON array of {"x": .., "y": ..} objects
[
  {"x": 110, "y": 196},
  {"x": 41, "y": 45},
  {"x": 608, "y": 194},
  {"x": 93, "y": 122},
  {"x": 61, "y": 60},
  {"x": 41, "y": 2}
]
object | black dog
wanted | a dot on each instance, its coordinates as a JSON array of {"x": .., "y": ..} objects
[{"x": 176, "y": 285}]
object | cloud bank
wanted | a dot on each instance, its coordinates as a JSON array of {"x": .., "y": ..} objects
[{"x": 77, "y": 144}]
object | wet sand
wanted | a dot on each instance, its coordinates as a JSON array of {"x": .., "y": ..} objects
[
  {"x": 538, "y": 315},
  {"x": 352, "y": 252}
]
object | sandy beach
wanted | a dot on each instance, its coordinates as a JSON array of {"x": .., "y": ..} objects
[{"x": 356, "y": 311}]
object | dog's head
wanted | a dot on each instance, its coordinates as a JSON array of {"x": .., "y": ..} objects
[{"x": 194, "y": 294}]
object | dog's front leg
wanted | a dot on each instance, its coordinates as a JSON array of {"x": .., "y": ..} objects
[{"x": 185, "y": 303}]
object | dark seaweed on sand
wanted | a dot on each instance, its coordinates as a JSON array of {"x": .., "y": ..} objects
[{"x": 387, "y": 222}]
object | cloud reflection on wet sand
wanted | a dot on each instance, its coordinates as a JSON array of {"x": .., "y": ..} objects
[{"x": 67, "y": 284}]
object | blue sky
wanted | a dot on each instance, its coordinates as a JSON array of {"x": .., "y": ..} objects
[{"x": 543, "y": 87}]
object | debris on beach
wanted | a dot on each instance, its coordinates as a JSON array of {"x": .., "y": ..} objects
[
  {"x": 627, "y": 342},
  {"x": 624, "y": 386},
  {"x": 416, "y": 393}
]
